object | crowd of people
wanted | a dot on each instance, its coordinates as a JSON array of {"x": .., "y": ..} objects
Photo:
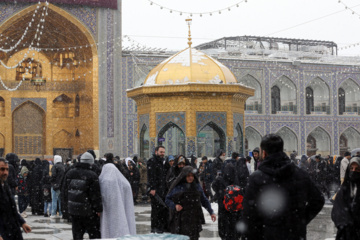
[{"x": 268, "y": 195}]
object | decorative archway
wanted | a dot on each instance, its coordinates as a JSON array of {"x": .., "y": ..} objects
[
  {"x": 275, "y": 100},
  {"x": 290, "y": 140},
  {"x": 253, "y": 103},
  {"x": 349, "y": 100},
  {"x": 253, "y": 139},
  {"x": 79, "y": 66},
  {"x": 144, "y": 142},
  {"x": 284, "y": 96},
  {"x": 239, "y": 139},
  {"x": 349, "y": 140},
  {"x": 320, "y": 96},
  {"x": 309, "y": 100},
  {"x": 29, "y": 130},
  {"x": 210, "y": 138},
  {"x": 172, "y": 138},
  {"x": 318, "y": 142}
]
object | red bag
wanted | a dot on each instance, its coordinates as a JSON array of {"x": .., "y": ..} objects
[{"x": 233, "y": 198}]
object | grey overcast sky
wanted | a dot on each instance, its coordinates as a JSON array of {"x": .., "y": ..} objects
[{"x": 305, "y": 19}]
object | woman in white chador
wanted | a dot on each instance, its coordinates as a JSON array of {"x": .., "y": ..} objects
[{"x": 118, "y": 216}]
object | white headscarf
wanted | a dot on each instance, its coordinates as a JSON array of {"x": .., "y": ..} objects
[{"x": 118, "y": 216}]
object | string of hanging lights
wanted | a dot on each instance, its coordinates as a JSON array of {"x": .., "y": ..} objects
[
  {"x": 23, "y": 35},
  {"x": 208, "y": 13},
  {"x": 37, "y": 37},
  {"x": 349, "y": 9}
]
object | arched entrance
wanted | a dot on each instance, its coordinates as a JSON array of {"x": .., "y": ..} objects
[
  {"x": 144, "y": 142},
  {"x": 69, "y": 70},
  {"x": 172, "y": 138},
  {"x": 239, "y": 139},
  {"x": 275, "y": 100},
  {"x": 209, "y": 139},
  {"x": 318, "y": 142},
  {"x": 290, "y": 140},
  {"x": 253, "y": 139},
  {"x": 349, "y": 140},
  {"x": 29, "y": 130}
]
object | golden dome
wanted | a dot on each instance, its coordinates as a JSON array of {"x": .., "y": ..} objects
[{"x": 189, "y": 66}]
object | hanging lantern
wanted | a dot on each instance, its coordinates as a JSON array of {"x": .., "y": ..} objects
[{"x": 38, "y": 80}]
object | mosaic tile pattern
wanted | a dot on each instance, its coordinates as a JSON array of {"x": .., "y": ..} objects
[
  {"x": 87, "y": 15},
  {"x": 203, "y": 118},
  {"x": 144, "y": 120},
  {"x": 230, "y": 146},
  {"x": 110, "y": 75},
  {"x": 15, "y": 102},
  {"x": 294, "y": 126},
  {"x": 177, "y": 118},
  {"x": 190, "y": 145}
]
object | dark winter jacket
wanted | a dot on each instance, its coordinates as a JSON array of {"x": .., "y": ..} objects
[
  {"x": 256, "y": 160},
  {"x": 206, "y": 174},
  {"x": 304, "y": 165},
  {"x": 191, "y": 197},
  {"x": 82, "y": 191},
  {"x": 37, "y": 174},
  {"x": 57, "y": 174},
  {"x": 295, "y": 200},
  {"x": 156, "y": 174},
  {"x": 346, "y": 211},
  {"x": 134, "y": 177},
  {"x": 217, "y": 166},
  {"x": 10, "y": 219},
  {"x": 12, "y": 179},
  {"x": 174, "y": 171},
  {"x": 237, "y": 173}
]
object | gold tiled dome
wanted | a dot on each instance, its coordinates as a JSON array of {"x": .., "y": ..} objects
[{"x": 190, "y": 66}]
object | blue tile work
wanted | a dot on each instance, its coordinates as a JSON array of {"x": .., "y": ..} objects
[
  {"x": 122, "y": 99},
  {"x": 15, "y": 102},
  {"x": 177, "y": 118},
  {"x": 132, "y": 116},
  {"x": 152, "y": 146},
  {"x": 203, "y": 118},
  {"x": 294, "y": 126},
  {"x": 301, "y": 123},
  {"x": 8, "y": 9},
  {"x": 190, "y": 146},
  {"x": 230, "y": 146},
  {"x": 87, "y": 15},
  {"x": 144, "y": 120},
  {"x": 110, "y": 75},
  {"x": 239, "y": 119}
]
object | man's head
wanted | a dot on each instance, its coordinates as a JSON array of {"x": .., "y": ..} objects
[
  {"x": 256, "y": 153},
  {"x": 270, "y": 144},
  {"x": 160, "y": 151},
  {"x": 87, "y": 158},
  {"x": 4, "y": 170},
  {"x": 317, "y": 158},
  {"x": 248, "y": 159},
  {"x": 347, "y": 155},
  {"x": 235, "y": 155},
  {"x": 204, "y": 159},
  {"x": 109, "y": 157}
]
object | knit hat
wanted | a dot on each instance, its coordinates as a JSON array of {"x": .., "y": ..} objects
[
  {"x": 355, "y": 160},
  {"x": 87, "y": 158},
  {"x": 171, "y": 158}
]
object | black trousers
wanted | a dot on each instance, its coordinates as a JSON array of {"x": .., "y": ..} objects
[
  {"x": 81, "y": 224},
  {"x": 159, "y": 217}
]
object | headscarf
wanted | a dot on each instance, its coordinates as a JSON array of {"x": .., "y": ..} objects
[{"x": 118, "y": 217}]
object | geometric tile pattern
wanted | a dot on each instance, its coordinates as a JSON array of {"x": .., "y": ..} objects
[
  {"x": 294, "y": 126},
  {"x": 177, "y": 118},
  {"x": 190, "y": 145},
  {"x": 15, "y": 102},
  {"x": 203, "y": 118}
]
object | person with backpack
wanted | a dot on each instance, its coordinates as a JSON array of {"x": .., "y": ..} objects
[
  {"x": 230, "y": 189},
  {"x": 280, "y": 199},
  {"x": 185, "y": 199}
]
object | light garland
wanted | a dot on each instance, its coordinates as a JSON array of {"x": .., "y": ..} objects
[
  {"x": 349, "y": 9},
  {"x": 210, "y": 13},
  {"x": 36, "y": 38},
  {"x": 22, "y": 37}
]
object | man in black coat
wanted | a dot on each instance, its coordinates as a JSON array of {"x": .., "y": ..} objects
[
  {"x": 235, "y": 173},
  {"x": 13, "y": 172},
  {"x": 82, "y": 193},
  {"x": 320, "y": 175},
  {"x": 10, "y": 219},
  {"x": 157, "y": 168},
  {"x": 217, "y": 165},
  {"x": 36, "y": 200},
  {"x": 280, "y": 199}
]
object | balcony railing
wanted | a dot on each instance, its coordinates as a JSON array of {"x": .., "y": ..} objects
[{"x": 55, "y": 86}]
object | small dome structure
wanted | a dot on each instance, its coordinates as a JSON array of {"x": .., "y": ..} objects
[{"x": 190, "y": 66}]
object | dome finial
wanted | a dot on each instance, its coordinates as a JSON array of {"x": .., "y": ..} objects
[{"x": 189, "y": 20}]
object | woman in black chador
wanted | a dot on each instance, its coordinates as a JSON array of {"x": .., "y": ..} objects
[
  {"x": 184, "y": 200},
  {"x": 346, "y": 210}
]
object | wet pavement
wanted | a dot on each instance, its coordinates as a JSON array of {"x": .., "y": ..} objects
[{"x": 320, "y": 228}]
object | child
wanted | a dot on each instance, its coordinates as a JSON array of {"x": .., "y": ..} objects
[
  {"x": 185, "y": 199},
  {"x": 47, "y": 195},
  {"x": 23, "y": 191}
]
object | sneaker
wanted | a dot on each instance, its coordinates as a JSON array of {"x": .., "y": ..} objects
[{"x": 53, "y": 216}]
